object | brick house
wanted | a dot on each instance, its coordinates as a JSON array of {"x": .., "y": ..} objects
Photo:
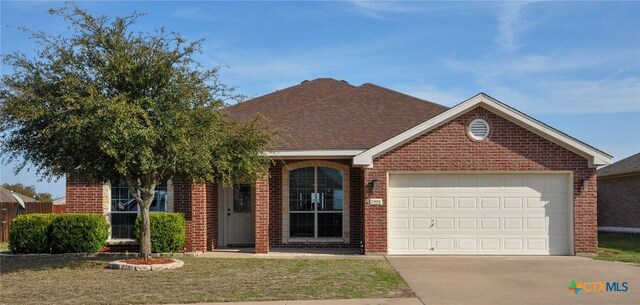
[
  {"x": 619, "y": 196},
  {"x": 365, "y": 166}
]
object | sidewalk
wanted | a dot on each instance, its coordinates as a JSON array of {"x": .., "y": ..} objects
[{"x": 398, "y": 301}]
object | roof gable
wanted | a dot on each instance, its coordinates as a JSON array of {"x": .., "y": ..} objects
[{"x": 595, "y": 156}]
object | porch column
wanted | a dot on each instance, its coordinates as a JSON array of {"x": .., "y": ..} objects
[
  {"x": 191, "y": 200},
  {"x": 262, "y": 215}
]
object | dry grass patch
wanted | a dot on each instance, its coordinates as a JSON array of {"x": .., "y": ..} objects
[{"x": 87, "y": 281}]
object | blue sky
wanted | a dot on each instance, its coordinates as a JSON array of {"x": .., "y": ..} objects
[{"x": 572, "y": 65}]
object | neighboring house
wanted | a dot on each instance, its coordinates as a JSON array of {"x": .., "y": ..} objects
[
  {"x": 619, "y": 195},
  {"x": 365, "y": 165},
  {"x": 59, "y": 201},
  {"x": 10, "y": 196}
]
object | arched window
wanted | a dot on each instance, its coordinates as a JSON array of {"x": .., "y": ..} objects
[{"x": 316, "y": 198}]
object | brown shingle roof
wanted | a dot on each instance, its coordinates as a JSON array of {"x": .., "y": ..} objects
[
  {"x": 625, "y": 166},
  {"x": 330, "y": 114}
]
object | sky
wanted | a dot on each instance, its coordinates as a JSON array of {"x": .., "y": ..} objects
[{"x": 572, "y": 65}]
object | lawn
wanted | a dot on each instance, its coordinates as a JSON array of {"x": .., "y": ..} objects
[
  {"x": 86, "y": 281},
  {"x": 619, "y": 247}
]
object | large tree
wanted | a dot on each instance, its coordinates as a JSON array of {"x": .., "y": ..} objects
[{"x": 112, "y": 104}]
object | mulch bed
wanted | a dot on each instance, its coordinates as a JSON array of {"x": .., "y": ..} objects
[{"x": 150, "y": 261}]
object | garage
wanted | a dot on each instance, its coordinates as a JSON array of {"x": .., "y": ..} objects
[{"x": 480, "y": 214}]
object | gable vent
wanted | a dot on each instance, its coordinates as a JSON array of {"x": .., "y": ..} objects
[{"x": 478, "y": 129}]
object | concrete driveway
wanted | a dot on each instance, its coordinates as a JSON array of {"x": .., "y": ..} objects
[{"x": 514, "y": 280}]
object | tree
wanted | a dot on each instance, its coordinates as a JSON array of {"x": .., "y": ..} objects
[
  {"x": 111, "y": 104},
  {"x": 29, "y": 191}
]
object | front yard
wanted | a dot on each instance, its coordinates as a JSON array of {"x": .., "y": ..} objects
[
  {"x": 86, "y": 281},
  {"x": 620, "y": 247}
]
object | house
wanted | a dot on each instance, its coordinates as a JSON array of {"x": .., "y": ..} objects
[
  {"x": 7, "y": 195},
  {"x": 365, "y": 166},
  {"x": 619, "y": 196},
  {"x": 59, "y": 200}
]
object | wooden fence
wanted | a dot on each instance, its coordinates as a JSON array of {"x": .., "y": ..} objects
[{"x": 9, "y": 211}]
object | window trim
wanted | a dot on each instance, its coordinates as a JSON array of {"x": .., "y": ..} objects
[{"x": 346, "y": 187}]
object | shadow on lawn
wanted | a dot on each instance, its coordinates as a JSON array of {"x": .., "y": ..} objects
[
  {"x": 619, "y": 241},
  {"x": 10, "y": 264}
]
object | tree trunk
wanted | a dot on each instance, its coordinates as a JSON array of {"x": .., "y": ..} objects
[
  {"x": 145, "y": 234},
  {"x": 144, "y": 195}
]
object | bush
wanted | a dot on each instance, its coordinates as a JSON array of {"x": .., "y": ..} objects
[
  {"x": 75, "y": 233},
  {"x": 167, "y": 232},
  {"x": 30, "y": 233}
]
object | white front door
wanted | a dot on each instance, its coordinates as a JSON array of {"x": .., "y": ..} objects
[
  {"x": 239, "y": 223},
  {"x": 504, "y": 214}
]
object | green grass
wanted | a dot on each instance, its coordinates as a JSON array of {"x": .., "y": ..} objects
[
  {"x": 67, "y": 280},
  {"x": 619, "y": 247}
]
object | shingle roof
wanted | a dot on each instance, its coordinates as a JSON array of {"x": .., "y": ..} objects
[
  {"x": 330, "y": 114},
  {"x": 6, "y": 196},
  {"x": 624, "y": 166}
]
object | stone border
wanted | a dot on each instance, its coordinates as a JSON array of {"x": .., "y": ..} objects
[
  {"x": 120, "y": 265},
  {"x": 100, "y": 254}
]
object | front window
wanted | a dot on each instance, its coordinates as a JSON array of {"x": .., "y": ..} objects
[
  {"x": 124, "y": 209},
  {"x": 315, "y": 202}
]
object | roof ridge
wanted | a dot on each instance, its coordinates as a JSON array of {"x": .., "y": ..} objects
[
  {"x": 411, "y": 96},
  {"x": 305, "y": 82}
]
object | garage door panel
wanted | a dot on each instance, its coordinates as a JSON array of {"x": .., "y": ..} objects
[
  {"x": 467, "y": 202},
  {"x": 513, "y": 203},
  {"x": 490, "y": 203},
  {"x": 467, "y": 223},
  {"x": 444, "y": 202},
  {"x": 396, "y": 203},
  {"x": 479, "y": 214},
  {"x": 421, "y": 203}
]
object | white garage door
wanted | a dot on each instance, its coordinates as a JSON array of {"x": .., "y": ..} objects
[{"x": 479, "y": 214}]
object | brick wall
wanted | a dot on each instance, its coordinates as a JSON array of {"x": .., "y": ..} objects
[
  {"x": 275, "y": 207},
  {"x": 83, "y": 196},
  {"x": 509, "y": 147},
  {"x": 196, "y": 201},
  {"x": 619, "y": 201},
  {"x": 212, "y": 216},
  {"x": 262, "y": 206}
]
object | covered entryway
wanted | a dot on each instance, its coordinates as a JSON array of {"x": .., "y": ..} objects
[{"x": 478, "y": 213}]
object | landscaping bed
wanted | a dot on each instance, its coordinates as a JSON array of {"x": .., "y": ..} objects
[
  {"x": 86, "y": 280},
  {"x": 621, "y": 247}
]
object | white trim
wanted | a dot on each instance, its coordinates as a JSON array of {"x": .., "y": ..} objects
[
  {"x": 481, "y": 137},
  {"x": 619, "y": 230},
  {"x": 319, "y": 153},
  {"x": 596, "y": 158}
]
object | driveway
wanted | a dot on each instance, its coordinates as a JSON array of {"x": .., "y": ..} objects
[{"x": 514, "y": 280}]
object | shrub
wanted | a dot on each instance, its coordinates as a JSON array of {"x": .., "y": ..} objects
[
  {"x": 167, "y": 231},
  {"x": 74, "y": 233},
  {"x": 30, "y": 233}
]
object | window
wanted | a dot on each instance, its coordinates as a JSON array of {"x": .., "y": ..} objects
[
  {"x": 479, "y": 129},
  {"x": 315, "y": 202},
  {"x": 242, "y": 198},
  {"x": 124, "y": 209}
]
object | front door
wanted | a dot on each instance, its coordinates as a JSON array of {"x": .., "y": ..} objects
[{"x": 239, "y": 215}]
